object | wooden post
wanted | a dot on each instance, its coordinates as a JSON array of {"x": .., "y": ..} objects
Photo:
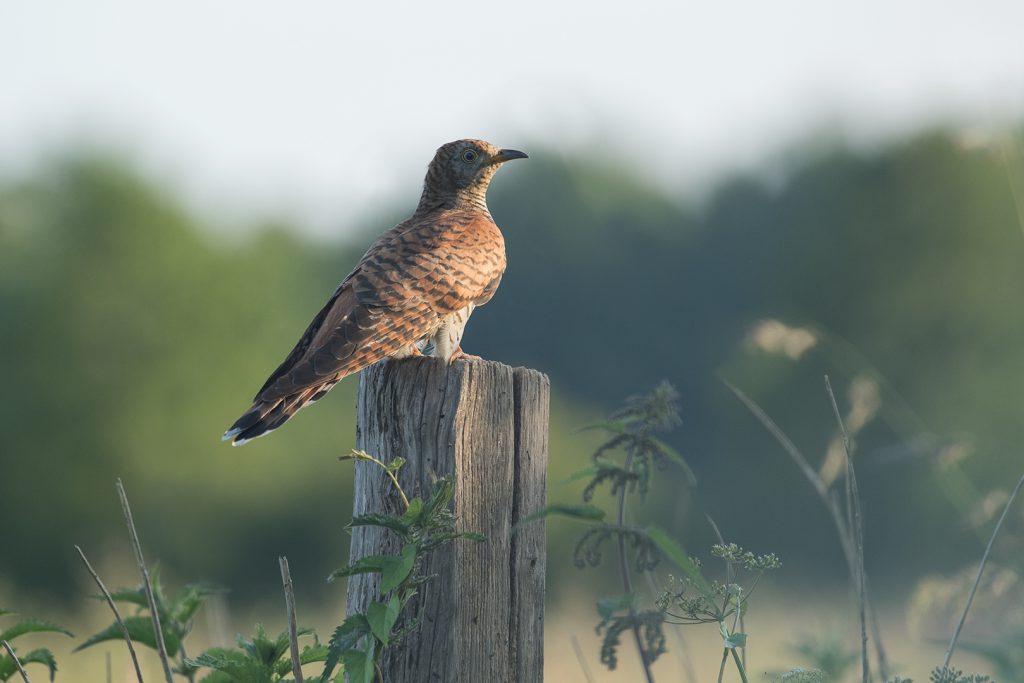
[{"x": 484, "y": 425}]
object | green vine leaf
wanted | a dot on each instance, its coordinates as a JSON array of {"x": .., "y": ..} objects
[
  {"x": 32, "y": 626},
  {"x": 345, "y": 638},
  {"x": 581, "y": 511},
  {"x": 382, "y": 618},
  {"x": 394, "y": 570}
]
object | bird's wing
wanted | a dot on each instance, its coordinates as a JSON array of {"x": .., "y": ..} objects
[{"x": 408, "y": 281}]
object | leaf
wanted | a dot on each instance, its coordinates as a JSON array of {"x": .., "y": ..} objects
[
  {"x": 583, "y": 511},
  {"x": 31, "y": 626},
  {"x": 158, "y": 590},
  {"x": 395, "y": 464},
  {"x": 365, "y": 565},
  {"x": 312, "y": 653},
  {"x": 615, "y": 426},
  {"x": 396, "y": 524},
  {"x": 413, "y": 511},
  {"x": 265, "y": 649},
  {"x": 678, "y": 556},
  {"x": 382, "y": 618},
  {"x": 394, "y": 570},
  {"x": 357, "y": 667},
  {"x": 344, "y": 638},
  {"x": 733, "y": 640},
  {"x": 41, "y": 656},
  {"x": 239, "y": 667},
  {"x": 216, "y": 677},
  {"x": 134, "y": 596},
  {"x": 140, "y": 628},
  {"x": 7, "y": 667},
  {"x": 308, "y": 655},
  {"x": 442, "y": 494},
  {"x": 188, "y": 602}
]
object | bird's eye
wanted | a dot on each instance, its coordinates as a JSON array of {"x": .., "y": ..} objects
[{"x": 469, "y": 156}]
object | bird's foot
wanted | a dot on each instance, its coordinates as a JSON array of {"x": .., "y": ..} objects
[
  {"x": 462, "y": 355},
  {"x": 411, "y": 351}
]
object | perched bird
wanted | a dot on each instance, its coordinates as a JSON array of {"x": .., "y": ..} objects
[{"x": 415, "y": 287}]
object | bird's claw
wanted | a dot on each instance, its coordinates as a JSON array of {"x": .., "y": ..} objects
[{"x": 462, "y": 355}]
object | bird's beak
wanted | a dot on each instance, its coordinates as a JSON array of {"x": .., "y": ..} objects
[{"x": 508, "y": 155}]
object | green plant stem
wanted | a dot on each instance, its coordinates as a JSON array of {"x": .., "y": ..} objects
[
  {"x": 362, "y": 455},
  {"x": 739, "y": 665},
  {"x": 981, "y": 568},
  {"x": 856, "y": 525},
  {"x": 627, "y": 577},
  {"x": 721, "y": 667},
  {"x": 183, "y": 656},
  {"x": 827, "y": 497},
  {"x": 580, "y": 659},
  {"x": 17, "y": 662}
]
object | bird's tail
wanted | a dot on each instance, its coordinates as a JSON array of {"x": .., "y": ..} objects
[{"x": 266, "y": 416}]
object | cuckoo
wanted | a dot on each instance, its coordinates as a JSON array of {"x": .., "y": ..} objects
[{"x": 413, "y": 290}]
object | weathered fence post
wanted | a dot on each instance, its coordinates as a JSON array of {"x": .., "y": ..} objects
[{"x": 484, "y": 425}]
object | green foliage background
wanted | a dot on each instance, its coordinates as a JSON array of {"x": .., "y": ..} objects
[{"x": 133, "y": 332}]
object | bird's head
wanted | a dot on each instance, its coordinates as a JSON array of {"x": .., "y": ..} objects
[{"x": 465, "y": 168}]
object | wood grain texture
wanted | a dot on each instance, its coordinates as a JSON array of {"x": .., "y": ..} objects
[{"x": 484, "y": 425}]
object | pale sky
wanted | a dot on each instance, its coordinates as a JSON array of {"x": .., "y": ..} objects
[{"x": 322, "y": 111}]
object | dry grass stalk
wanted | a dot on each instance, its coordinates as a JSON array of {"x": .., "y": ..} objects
[{"x": 117, "y": 613}]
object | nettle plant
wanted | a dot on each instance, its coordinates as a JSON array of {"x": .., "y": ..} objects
[
  {"x": 8, "y": 665},
  {"x": 176, "y": 616},
  {"x": 425, "y": 524},
  {"x": 260, "y": 660},
  {"x": 625, "y": 462}
]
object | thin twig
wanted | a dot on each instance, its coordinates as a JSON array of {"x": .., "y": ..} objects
[
  {"x": 110, "y": 672},
  {"x": 147, "y": 587},
  {"x": 293, "y": 633},
  {"x": 363, "y": 455},
  {"x": 784, "y": 441},
  {"x": 117, "y": 613},
  {"x": 856, "y": 524},
  {"x": 981, "y": 568},
  {"x": 190, "y": 673},
  {"x": 627, "y": 577},
  {"x": 17, "y": 662},
  {"x": 827, "y": 497},
  {"x": 876, "y": 632},
  {"x": 579, "y": 658}
]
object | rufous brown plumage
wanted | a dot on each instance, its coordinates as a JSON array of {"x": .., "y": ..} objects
[{"x": 416, "y": 286}]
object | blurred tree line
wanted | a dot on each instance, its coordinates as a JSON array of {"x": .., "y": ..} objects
[{"x": 132, "y": 334}]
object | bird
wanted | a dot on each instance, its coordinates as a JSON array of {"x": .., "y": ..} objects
[{"x": 413, "y": 290}]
